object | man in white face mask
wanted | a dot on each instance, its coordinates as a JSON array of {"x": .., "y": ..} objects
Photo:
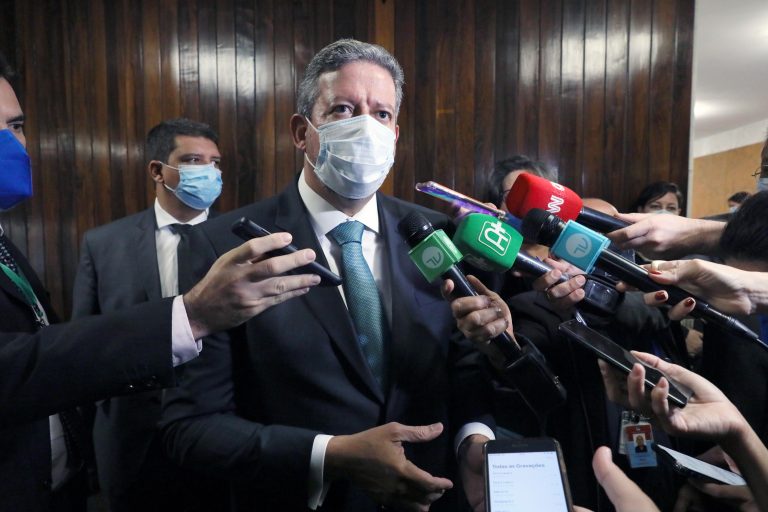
[
  {"x": 133, "y": 260},
  {"x": 342, "y": 399}
]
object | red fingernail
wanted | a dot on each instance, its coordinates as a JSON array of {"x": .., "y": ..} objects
[
  {"x": 689, "y": 302},
  {"x": 660, "y": 295},
  {"x": 654, "y": 272}
]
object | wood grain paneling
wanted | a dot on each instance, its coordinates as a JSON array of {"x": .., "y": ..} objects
[{"x": 598, "y": 88}]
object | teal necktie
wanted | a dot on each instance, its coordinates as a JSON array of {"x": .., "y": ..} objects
[{"x": 363, "y": 299}]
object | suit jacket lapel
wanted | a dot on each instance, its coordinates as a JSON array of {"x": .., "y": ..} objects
[
  {"x": 146, "y": 254},
  {"x": 325, "y": 302},
  {"x": 404, "y": 309}
]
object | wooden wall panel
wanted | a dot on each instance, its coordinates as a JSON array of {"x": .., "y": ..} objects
[
  {"x": 716, "y": 177},
  {"x": 598, "y": 88}
]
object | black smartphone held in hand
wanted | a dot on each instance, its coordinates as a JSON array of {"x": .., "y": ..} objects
[
  {"x": 526, "y": 475},
  {"x": 619, "y": 357},
  {"x": 247, "y": 229},
  {"x": 692, "y": 467}
]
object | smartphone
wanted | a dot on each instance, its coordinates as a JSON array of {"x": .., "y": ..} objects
[
  {"x": 692, "y": 467},
  {"x": 247, "y": 229},
  {"x": 526, "y": 475},
  {"x": 616, "y": 355},
  {"x": 439, "y": 191}
]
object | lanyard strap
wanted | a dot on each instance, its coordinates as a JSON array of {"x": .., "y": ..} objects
[{"x": 22, "y": 284}]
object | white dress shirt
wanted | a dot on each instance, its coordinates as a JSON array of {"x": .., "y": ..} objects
[{"x": 324, "y": 217}]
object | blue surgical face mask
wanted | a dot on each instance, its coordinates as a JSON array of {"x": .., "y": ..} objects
[
  {"x": 199, "y": 185},
  {"x": 762, "y": 184},
  {"x": 15, "y": 171}
]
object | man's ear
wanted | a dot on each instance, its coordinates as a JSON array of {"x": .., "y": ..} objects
[
  {"x": 299, "y": 131},
  {"x": 155, "y": 170}
]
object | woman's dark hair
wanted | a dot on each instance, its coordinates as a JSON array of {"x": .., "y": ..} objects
[
  {"x": 745, "y": 237},
  {"x": 739, "y": 197},
  {"x": 656, "y": 190}
]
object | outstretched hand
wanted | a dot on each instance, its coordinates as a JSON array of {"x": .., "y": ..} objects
[{"x": 244, "y": 282}]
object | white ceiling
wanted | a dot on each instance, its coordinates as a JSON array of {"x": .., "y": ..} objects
[{"x": 730, "y": 68}]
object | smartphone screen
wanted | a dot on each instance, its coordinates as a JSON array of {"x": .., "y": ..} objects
[
  {"x": 690, "y": 466},
  {"x": 608, "y": 350},
  {"x": 525, "y": 476}
]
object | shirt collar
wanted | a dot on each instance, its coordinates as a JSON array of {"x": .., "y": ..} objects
[
  {"x": 324, "y": 216},
  {"x": 166, "y": 219}
]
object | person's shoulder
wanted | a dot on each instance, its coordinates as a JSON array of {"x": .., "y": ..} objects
[
  {"x": 117, "y": 228},
  {"x": 255, "y": 211},
  {"x": 400, "y": 208}
]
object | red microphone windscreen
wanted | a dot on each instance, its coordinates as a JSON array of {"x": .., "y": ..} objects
[{"x": 531, "y": 191}]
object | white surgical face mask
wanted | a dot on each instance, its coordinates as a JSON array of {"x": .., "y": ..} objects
[{"x": 355, "y": 155}]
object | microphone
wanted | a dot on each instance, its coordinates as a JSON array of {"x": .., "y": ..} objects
[
  {"x": 586, "y": 249},
  {"x": 531, "y": 191},
  {"x": 494, "y": 246},
  {"x": 435, "y": 256}
]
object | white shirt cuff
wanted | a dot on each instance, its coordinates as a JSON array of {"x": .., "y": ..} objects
[
  {"x": 184, "y": 347},
  {"x": 469, "y": 429},
  {"x": 317, "y": 488}
]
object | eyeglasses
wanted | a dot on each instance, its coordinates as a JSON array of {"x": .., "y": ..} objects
[{"x": 759, "y": 170}]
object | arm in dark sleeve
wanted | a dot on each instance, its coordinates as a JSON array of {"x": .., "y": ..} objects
[
  {"x": 202, "y": 430},
  {"x": 64, "y": 365},
  {"x": 201, "y": 425}
]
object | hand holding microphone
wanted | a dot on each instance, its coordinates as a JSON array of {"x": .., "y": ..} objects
[
  {"x": 436, "y": 256},
  {"x": 524, "y": 368},
  {"x": 586, "y": 249},
  {"x": 492, "y": 245}
]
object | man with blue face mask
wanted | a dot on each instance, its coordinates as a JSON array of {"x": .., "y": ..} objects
[
  {"x": 132, "y": 260},
  {"x": 48, "y": 368},
  {"x": 356, "y": 396}
]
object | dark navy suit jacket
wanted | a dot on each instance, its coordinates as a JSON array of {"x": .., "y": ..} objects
[{"x": 250, "y": 407}]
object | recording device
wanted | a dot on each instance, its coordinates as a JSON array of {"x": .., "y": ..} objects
[
  {"x": 525, "y": 368},
  {"x": 473, "y": 205},
  {"x": 247, "y": 229},
  {"x": 491, "y": 245},
  {"x": 526, "y": 475},
  {"x": 619, "y": 357},
  {"x": 585, "y": 248},
  {"x": 435, "y": 256},
  {"x": 691, "y": 467},
  {"x": 530, "y": 191}
]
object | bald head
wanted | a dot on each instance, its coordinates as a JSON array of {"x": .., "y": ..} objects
[{"x": 600, "y": 205}]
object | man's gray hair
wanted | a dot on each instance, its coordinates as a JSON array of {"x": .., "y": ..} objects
[{"x": 336, "y": 55}]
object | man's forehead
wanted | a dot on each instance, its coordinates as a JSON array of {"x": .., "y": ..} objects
[
  {"x": 193, "y": 143},
  {"x": 355, "y": 79}
]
